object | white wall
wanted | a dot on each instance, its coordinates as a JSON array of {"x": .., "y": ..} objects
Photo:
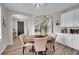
[
  {"x": 31, "y": 25},
  {"x": 4, "y": 39},
  {"x": 8, "y": 39},
  {"x": 10, "y": 24},
  {"x": 54, "y": 18},
  {"x": 56, "y": 28},
  {"x": 7, "y": 15},
  {"x": 50, "y": 26},
  {"x": 15, "y": 20}
]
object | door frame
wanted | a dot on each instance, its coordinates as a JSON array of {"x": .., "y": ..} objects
[{"x": 18, "y": 27}]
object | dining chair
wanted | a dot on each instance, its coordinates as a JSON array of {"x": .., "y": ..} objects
[
  {"x": 40, "y": 45},
  {"x": 24, "y": 41},
  {"x": 51, "y": 42}
]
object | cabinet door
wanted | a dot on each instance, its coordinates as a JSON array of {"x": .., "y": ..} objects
[
  {"x": 76, "y": 13},
  {"x": 63, "y": 20},
  {"x": 69, "y": 40},
  {"x": 63, "y": 39},
  {"x": 70, "y": 19},
  {"x": 76, "y": 42},
  {"x": 67, "y": 19},
  {"x": 60, "y": 39}
]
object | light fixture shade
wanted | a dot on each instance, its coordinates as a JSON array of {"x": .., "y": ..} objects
[{"x": 38, "y": 4}]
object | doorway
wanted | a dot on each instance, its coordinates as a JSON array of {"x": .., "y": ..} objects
[{"x": 20, "y": 27}]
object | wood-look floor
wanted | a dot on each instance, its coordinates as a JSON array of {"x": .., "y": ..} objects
[{"x": 16, "y": 49}]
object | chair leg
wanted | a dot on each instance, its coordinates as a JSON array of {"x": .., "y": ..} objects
[
  {"x": 33, "y": 50},
  {"x": 23, "y": 50},
  {"x": 35, "y": 53},
  {"x": 44, "y": 52},
  {"x": 51, "y": 46},
  {"x": 54, "y": 48}
]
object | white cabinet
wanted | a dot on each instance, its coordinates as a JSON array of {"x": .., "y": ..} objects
[
  {"x": 76, "y": 13},
  {"x": 70, "y": 19},
  {"x": 76, "y": 42},
  {"x": 70, "y": 40},
  {"x": 63, "y": 39},
  {"x": 63, "y": 20},
  {"x": 67, "y": 19},
  {"x": 60, "y": 39}
]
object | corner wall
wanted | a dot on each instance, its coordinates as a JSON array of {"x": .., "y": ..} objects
[
  {"x": 4, "y": 40},
  {"x": 31, "y": 25}
]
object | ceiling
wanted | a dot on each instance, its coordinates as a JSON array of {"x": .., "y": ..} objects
[
  {"x": 28, "y": 8},
  {"x": 39, "y": 12}
]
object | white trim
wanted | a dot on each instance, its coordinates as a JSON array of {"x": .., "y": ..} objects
[{"x": 4, "y": 47}]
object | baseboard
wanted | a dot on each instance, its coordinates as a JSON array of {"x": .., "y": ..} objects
[
  {"x": 67, "y": 46},
  {"x": 5, "y": 45},
  {"x": 10, "y": 43},
  {"x": 3, "y": 49}
]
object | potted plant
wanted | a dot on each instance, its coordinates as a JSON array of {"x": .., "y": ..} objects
[{"x": 44, "y": 29}]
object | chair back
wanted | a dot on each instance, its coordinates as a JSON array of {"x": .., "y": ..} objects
[
  {"x": 40, "y": 44},
  {"x": 53, "y": 38},
  {"x": 22, "y": 38}
]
